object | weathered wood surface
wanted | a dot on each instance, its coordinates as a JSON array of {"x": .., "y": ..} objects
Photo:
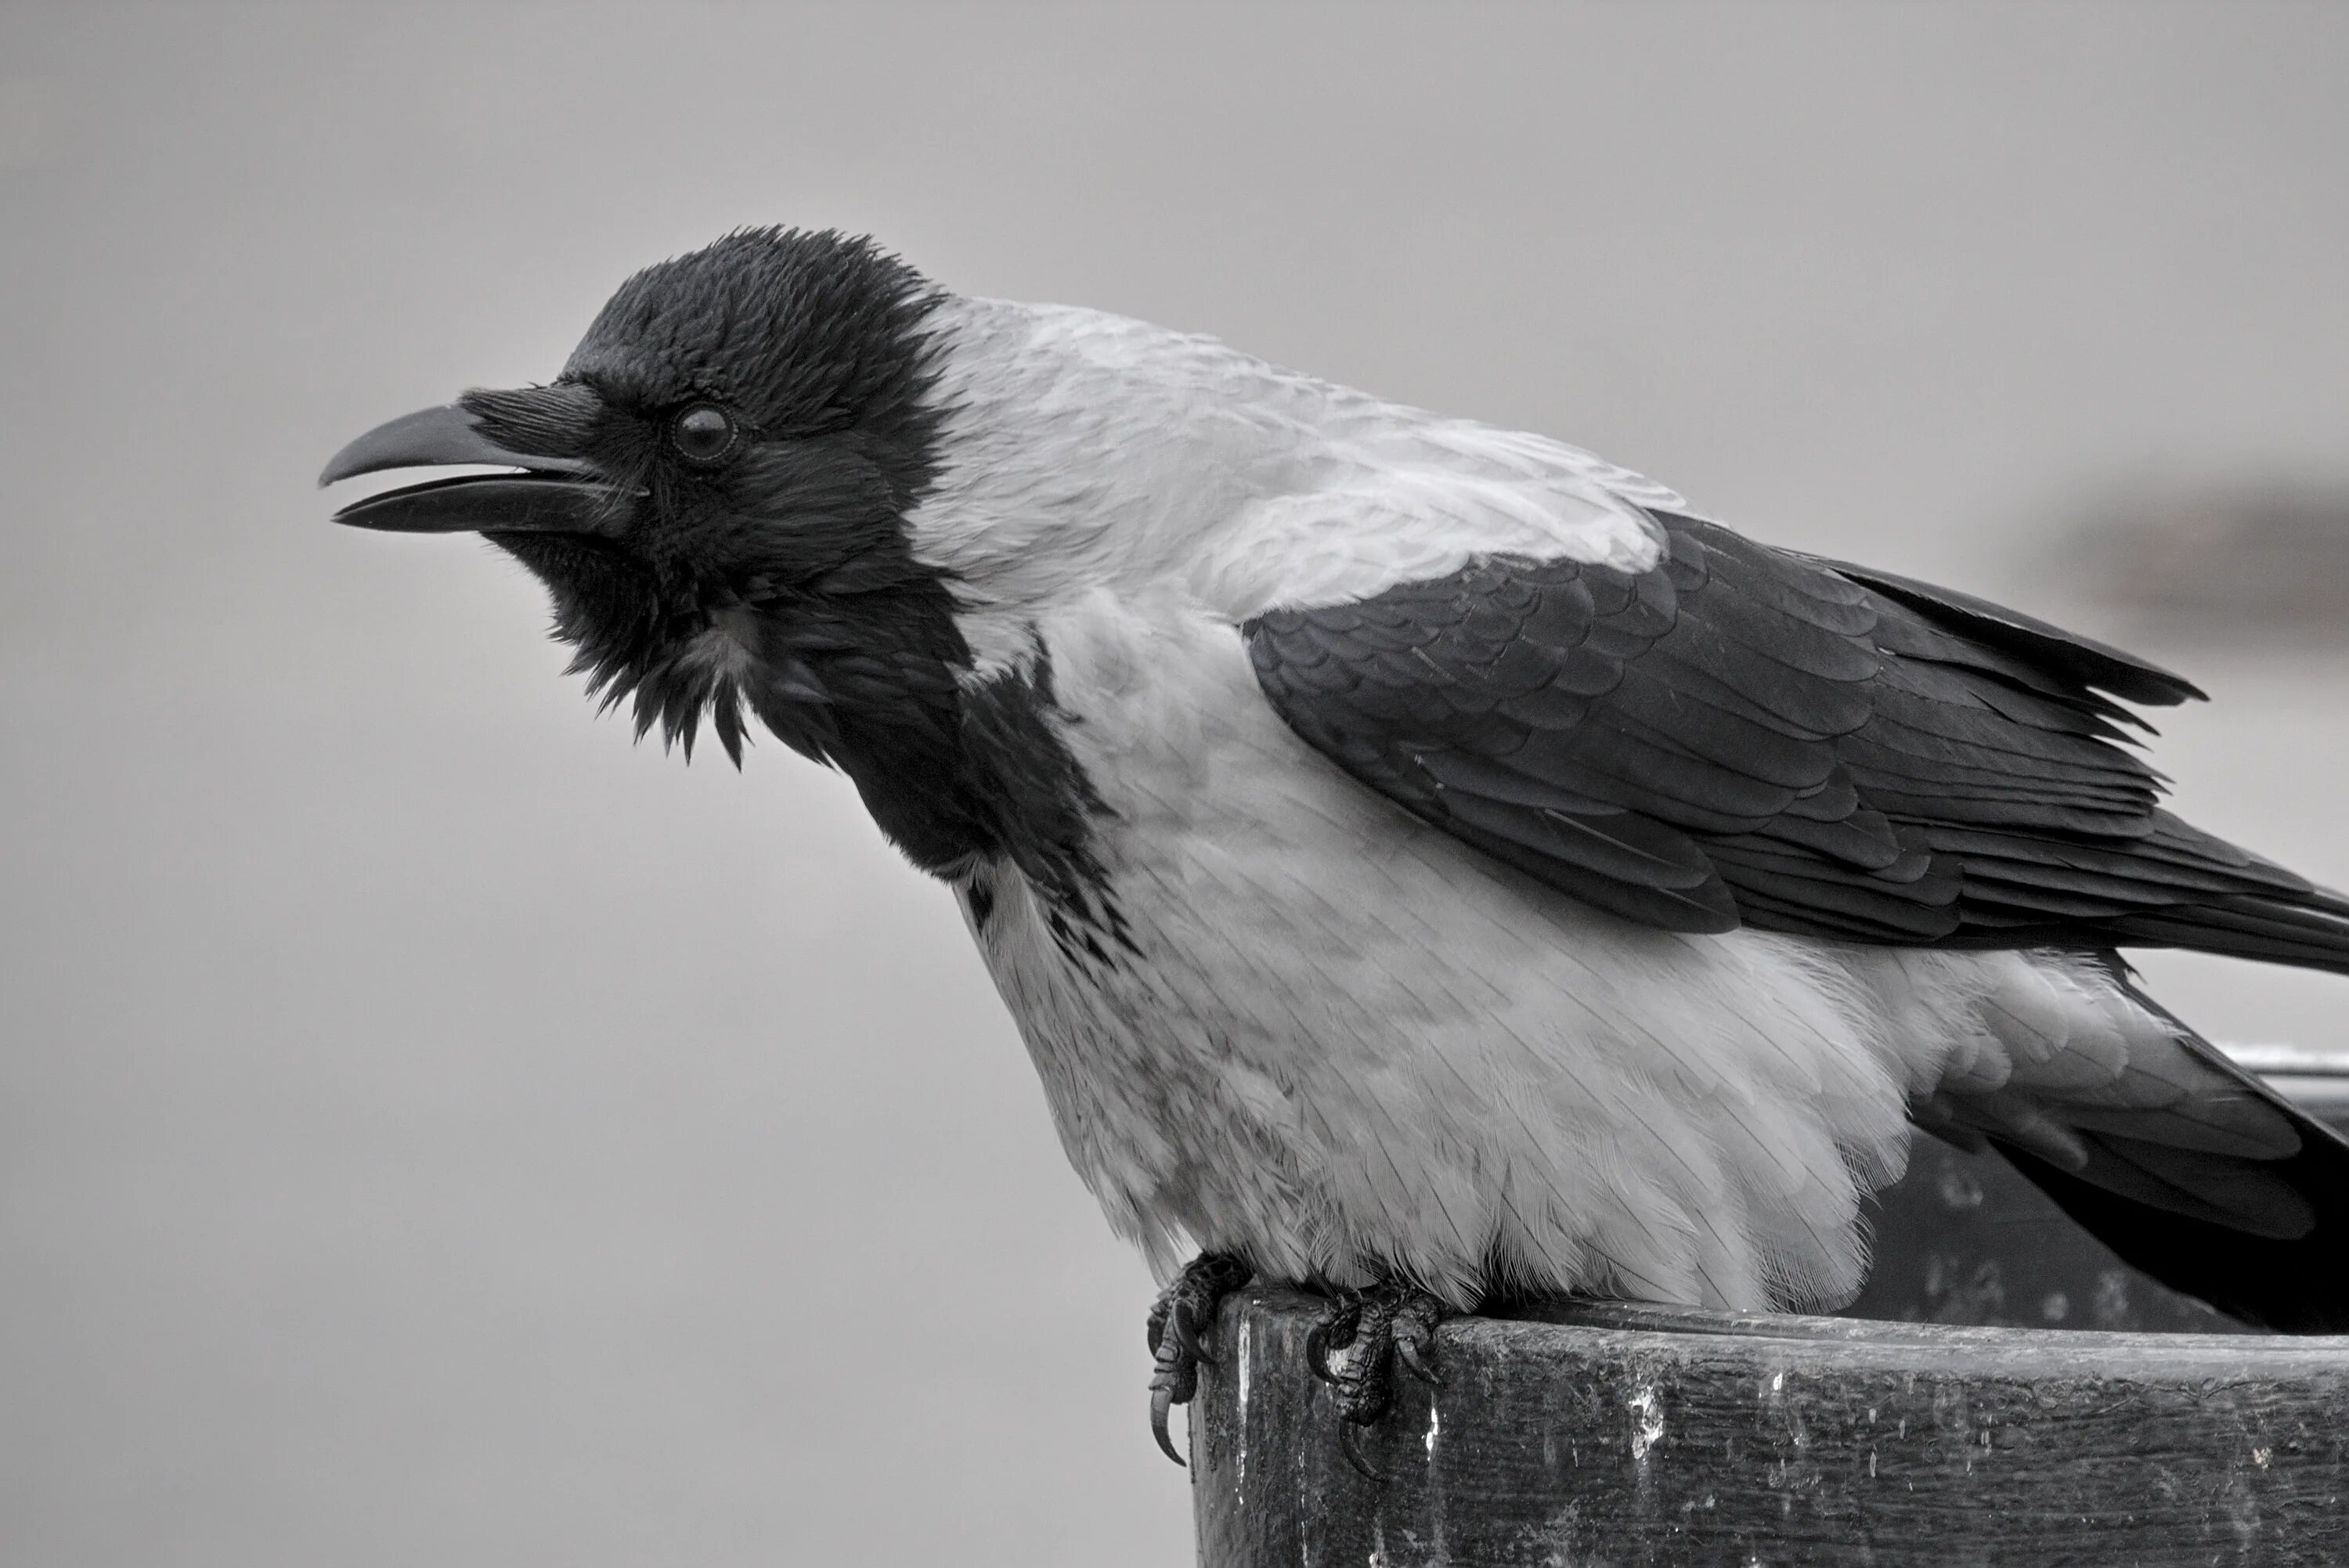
[{"x": 1629, "y": 1436}]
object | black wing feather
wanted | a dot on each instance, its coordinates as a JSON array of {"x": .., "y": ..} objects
[
  {"x": 1746, "y": 736},
  {"x": 2082, "y": 661}
]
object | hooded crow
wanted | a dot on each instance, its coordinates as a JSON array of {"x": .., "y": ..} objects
[{"x": 1427, "y": 863}]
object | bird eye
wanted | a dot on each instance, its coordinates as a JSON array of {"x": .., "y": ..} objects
[{"x": 704, "y": 433}]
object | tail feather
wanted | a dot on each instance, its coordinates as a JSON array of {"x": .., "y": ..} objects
[
  {"x": 2189, "y": 1124},
  {"x": 2262, "y": 1237},
  {"x": 2308, "y": 931},
  {"x": 2252, "y": 1195}
]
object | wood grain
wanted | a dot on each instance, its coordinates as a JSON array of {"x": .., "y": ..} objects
[{"x": 1626, "y": 1435}]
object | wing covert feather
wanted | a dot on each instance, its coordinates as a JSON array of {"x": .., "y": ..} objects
[{"x": 1742, "y": 735}]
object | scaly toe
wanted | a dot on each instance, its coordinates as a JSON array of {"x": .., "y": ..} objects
[
  {"x": 1175, "y": 1330},
  {"x": 1355, "y": 1350}
]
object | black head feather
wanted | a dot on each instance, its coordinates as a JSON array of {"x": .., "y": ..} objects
[
  {"x": 764, "y": 410},
  {"x": 776, "y": 579}
]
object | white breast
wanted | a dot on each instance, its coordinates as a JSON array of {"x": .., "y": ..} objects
[{"x": 1343, "y": 1040}]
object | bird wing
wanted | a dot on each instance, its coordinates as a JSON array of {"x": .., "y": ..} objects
[{"x": 1743, "y": 735}]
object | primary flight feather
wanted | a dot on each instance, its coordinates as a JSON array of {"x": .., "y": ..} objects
[{"x": 1423, "y": 860}]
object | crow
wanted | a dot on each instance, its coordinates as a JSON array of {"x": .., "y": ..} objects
[{"x": 1427, "y": 863}]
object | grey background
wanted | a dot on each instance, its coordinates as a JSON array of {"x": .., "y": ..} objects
[{"x": 435, "y": 1131}]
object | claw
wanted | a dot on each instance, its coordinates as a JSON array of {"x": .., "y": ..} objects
[
  {"x": 1186, "y": 1334},
  {"x": 1415, "y": 1337},
  {"x": 1161, "y": 1404},
  {"x": 1171, "y": 1384},
  {"x": 1317, "y": 1353},
  {"x": 1414, "y": 1361},
  {"x": 1334, "y": 1332},
  {"x": 1349, "y": 1443}
]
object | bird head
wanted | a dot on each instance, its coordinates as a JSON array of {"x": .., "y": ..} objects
[{"x": 715, "y": 491}]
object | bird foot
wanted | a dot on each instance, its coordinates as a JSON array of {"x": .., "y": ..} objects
[
  {"x": 1178, "y": 1324},
  {"x": 1356, "y": 1347}
]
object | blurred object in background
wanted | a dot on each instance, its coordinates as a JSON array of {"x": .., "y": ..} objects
[
  {"x": 1968, "y": 1239},
  {"x": 2249, "y": 562},
  {"x": 2315, "y": 1077}
]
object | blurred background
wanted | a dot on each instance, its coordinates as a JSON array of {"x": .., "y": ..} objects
[{"x": 434, "y": 1129}]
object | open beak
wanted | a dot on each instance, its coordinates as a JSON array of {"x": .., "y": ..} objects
[{"x": 536, "y": 429}]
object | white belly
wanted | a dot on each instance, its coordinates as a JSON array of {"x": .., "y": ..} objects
[{"x": 1342, "y": 1041}]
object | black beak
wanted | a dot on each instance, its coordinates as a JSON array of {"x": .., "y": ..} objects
[{"x": 536, "y": 431}]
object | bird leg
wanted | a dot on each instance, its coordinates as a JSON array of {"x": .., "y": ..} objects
[
  {"x": 1178, "y": 1323},
  {"x": 1354, "y": 1350}
]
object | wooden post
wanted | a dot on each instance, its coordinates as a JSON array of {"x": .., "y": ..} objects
[{"x": 1632, "y": 1436}]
